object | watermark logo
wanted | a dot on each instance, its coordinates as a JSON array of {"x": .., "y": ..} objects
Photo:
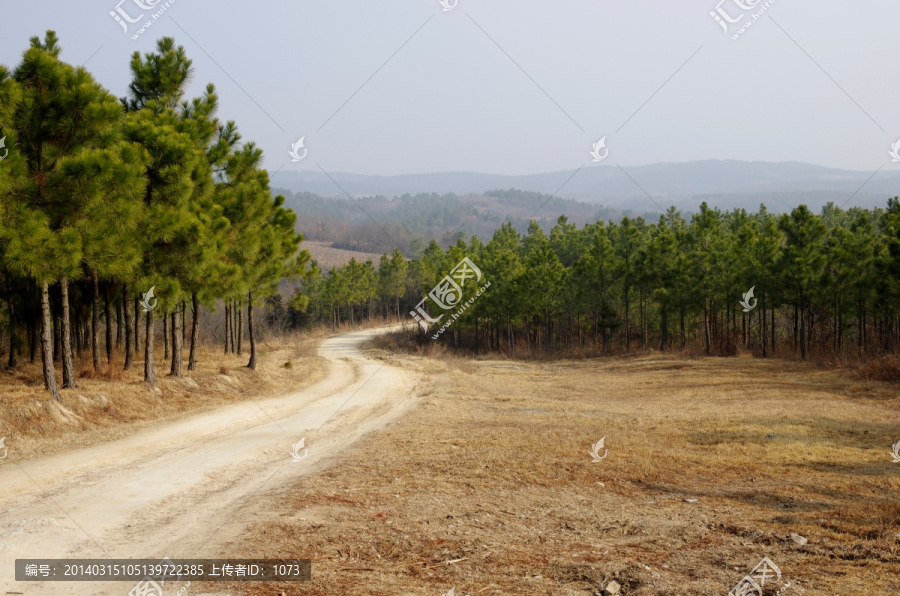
[
  {"x": 448, "y": 6},
  {"x": 722, "y": 17},
  {"x": 148, "y": 587},
  {"x": 728, "y": 19},
  {"x": 894, "y": 152},
  {"x": 595, "y": 152},
  {"x": 595, "y": 451},
  {"x": 746, "y": 301},
  {"x": 448, "y": 294},
  {"x": 125, "y": 19},
  {"x": 895, "y": 453},
  {"x": 6, "y": 451},
  {"x": 145, "y": 300},
  {"x": 3, "y": 146},
  {"x": 295, "y": 150},
  {"x": 765, "y": 571},
  {"x": 122, "y": 17},
  {"x": 295, "y": 451}
]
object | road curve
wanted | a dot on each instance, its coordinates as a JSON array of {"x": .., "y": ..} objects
[{"x": 178, "y": 490}]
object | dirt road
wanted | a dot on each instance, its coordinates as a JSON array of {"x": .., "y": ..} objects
[{"x": 181, "y": 491}]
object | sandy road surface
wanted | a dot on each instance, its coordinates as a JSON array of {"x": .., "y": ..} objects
[{"x": 182, "y": 490}]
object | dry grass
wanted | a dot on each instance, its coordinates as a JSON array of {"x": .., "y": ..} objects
[
  {"x": 488, "y": 486},
  {"x": 110, "y": 403},
  {"x": 883, "y": 368},
  {"x": 329, "y": 257}
]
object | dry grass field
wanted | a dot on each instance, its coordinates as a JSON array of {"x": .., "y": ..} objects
[
  {"x": 488, "y": 486},
  {"x": 114, "y": 403},
  {"x": 329, "y": 257}
]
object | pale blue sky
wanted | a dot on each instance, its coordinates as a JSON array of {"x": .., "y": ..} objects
[{"x": 450, "y": 99}]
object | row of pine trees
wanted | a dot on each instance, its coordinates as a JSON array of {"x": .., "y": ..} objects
[
  {"x": 102, "y": 199},
  {"x": 827, "y": 282}
]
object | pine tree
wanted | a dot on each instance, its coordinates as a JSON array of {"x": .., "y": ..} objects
[
  {"x": 501, "y": 264},
  {"x": 175, "y": 169},
  {"x": 594, "y": 277},
  {"x": 81, "y": 181},
  {"x": 801, "y": 265},
  {"x": 12, "y": 174},
  {"x": 392, "y": 278},
  {"x": 278, "y": 259},
  {"x": 540, "y": 285}
]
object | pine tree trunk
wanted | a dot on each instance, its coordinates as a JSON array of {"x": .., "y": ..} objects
[
  {"x": 240, "y": 328},
  {"x": 195, "y": 332},
  {"x": 165, "y": 319},
  {"x": 56, "y": 327},
  {"x": 95, "y": 322},
  {"x": 30, "y": 340},
  {"x": 183, "y": 319},
  {"x": 227, "y": 326},
  {"x": 47, "y": 343},
  {"x": 664, "y": 329},
  {"x": 129, "y": 345},
  {"x": 11, "y": 363},
  {"x": 149, "y": 368},
  {"x": 744, "y": 329},
  {"x": 802, "y": 316},
  {"x": 476, "y": 336},
  {"x": 773, "y": 330},
  {"x": 76, "y": 331},
  {"x": 728, "y": 328},
  {"x": 109, "y": 330},
  {"x": 252, "y": 363},
  {"x": 34, "y": 340},
  {"x": 118, "y": 324},
  {"x": 66, "y": 339},
  {"x": 643, "y": 328},
  {"x": 627, "y": 322},
  {"x": 840, "y": 323},
  {"x": 706, "y": 328},
  {"x": 137, "y": 325},
  {"x": 231, "y": 327},
  {"x": 176, "y": 345}
]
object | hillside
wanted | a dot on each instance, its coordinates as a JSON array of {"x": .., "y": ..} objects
[
  {"x": 329, "y": 257},
  {"x": 721, "y": 183},
  {"x": 379, "y": 224}
]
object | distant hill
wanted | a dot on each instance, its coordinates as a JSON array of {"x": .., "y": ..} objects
[
  {"x": 329, "y": 257},
  {"x": 724, "y": 184},
  {"x": 378, "y": 224}
]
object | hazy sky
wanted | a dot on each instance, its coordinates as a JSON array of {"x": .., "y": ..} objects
[{"x": 515, "y": 87}]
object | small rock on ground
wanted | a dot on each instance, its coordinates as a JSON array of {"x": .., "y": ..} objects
[{"x": 612, "y": 588}]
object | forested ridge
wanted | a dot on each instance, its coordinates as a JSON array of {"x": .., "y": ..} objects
[
  {"x": 135, "y": 209},
  {"x": 408, "y": 222},
  {"x": 826, "y": 283}
]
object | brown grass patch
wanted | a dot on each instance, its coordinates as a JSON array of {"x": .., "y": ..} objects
[
  {"x": 488, "y": 486},
  {"x": 884, "y": 368}
]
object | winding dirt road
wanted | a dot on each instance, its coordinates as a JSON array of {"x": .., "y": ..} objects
[{"x": 181, "y": 491}]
